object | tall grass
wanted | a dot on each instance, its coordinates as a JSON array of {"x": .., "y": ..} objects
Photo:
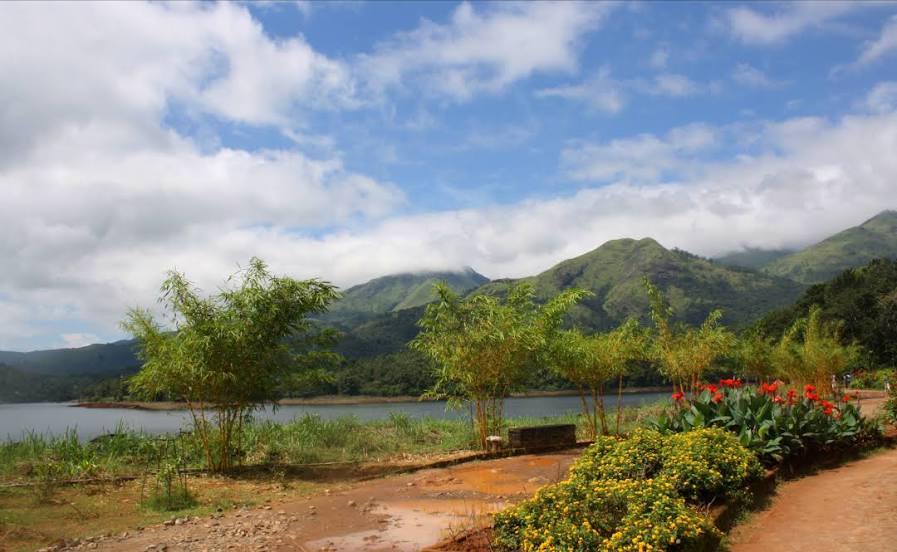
[{"x": 304, "y": 440}]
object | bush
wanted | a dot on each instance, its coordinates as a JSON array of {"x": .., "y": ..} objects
[
  {"x": 874, "y": 379},
  {"x": 707, "y": 463},
  {"x": 635, "y": 457},
  {"x": 609, "y": 514},
  {"x": 774, "y": 426},
  {"x": 633, "y": 494}
]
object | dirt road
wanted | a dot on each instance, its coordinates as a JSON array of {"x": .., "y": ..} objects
[{"x": 408, "y": 512}]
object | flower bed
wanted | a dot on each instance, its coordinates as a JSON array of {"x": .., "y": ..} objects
[
  {"x": 638, "y": 493},
  {"x": 775, "y": 423}
]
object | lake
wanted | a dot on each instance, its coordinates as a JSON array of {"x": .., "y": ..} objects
[{"x": 56, "y": 418}]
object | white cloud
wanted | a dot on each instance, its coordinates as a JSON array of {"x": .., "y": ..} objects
[
  {"x": 752, "y": 26},
  {"x": 672, "y": 84},
  {"x": 96, "y": 188},
  {"x": 641, "y": 158},
  {"x": 74, "y": 340},
  {"x": 884, "y": 45},
  {"x": 748, "y": 75},
  {"x": 882, "y": 98},
  {"x": 486, "y": 49},
  {"x": 600, "y": 93},
  {"x": 659, "y": 58}
]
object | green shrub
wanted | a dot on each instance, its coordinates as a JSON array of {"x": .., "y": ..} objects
[
  {"x": 774, "y": 426},
  {"x": 707, "y": 463},
  {"x": 634, "y": 493},
  {"x": 609, "y": 514}
]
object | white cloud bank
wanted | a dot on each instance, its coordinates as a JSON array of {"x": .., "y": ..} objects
[{"x": 99, "y": 197}]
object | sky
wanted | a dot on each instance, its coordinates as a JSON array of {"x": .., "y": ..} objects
[{"x": 349, "y": 140}]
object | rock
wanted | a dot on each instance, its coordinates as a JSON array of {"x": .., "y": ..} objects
[
  {"x": 351, "y": 504},
  {"x": 169, "y": 522},
  {"x": 410, "y": 484},
  {"x": 178, "y": 521}
]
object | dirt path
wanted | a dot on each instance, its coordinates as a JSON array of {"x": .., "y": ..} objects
[
  {"x": 850, "y": 508},
  {"x": 408, "y": 512}
]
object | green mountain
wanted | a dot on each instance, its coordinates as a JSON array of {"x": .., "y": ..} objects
[
  {"x": 854, "y": 247},
  {"x": 101, "y": 359},
  {"x": 397, "y": 292},
  {"x": 863, "y": 300},
  {"x": 754, "y": 259},
  {"x": 694, "y": 286}
]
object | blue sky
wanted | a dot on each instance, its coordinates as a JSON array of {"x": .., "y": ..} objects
[{"x": 352, "y": 140}]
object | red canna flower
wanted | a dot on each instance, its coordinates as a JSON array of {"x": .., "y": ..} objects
[
  {"x": 812, "y": 397},
  {"x": 717, "y": 398},
  {"x": 769, "y": 388},
  {"x": 678, "y": 396},
  {"x": 778, "y": 400},
  {"x": 710, "y": 387},
  {"x": 809, "y": 388},
  {"x": 845, "y": 398}
]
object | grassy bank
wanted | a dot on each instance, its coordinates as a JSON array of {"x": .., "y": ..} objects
[{"x": 305, "y": 440}]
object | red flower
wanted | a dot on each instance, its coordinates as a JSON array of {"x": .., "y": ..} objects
[
  {"x": 845, "y": 398},
  {"x": 710, "y": 387},
  {"x": 778, "y": 400},
  {"x": 678, "y": 396},
  {"x": 811, "y": 396},
  {"x": 809, "y": 388},
  {"x": 717, "y": 398},
  {"x": 733, "y": 383},
  {"x": 769, "y": 388}
]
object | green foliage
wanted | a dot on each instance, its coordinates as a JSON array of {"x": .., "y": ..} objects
[
  {"x": 393, "y": 293},
  {"x": 633, "y": 494},
  {"x": 590, "y": 362},
  {"x": 754, "y": 355},
  {"x": 811, "y": 352},
  {"x": 877, "y": 237},
  {"x": 232, "y": 352},
  {"x": 752, "y": 258},
  {"x": 872, "y": 379},
  {"x": 685, "y": 353},
  {"x": 482, "y": 345},
  {"x": 863, "y": 300},
  {"x": 773, "y": 426}
]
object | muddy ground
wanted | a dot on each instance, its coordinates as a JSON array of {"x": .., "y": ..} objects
[{"x": 403, "y": 513}]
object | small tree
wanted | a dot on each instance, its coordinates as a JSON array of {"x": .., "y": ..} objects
[
  {"x": 590, "y": 362},
  {"x": 685, "y": 353},
  {"x": 755, "y": 354},
  {"x": 818, "y": 356},
  {"x": 230, "y": 353},
  {"x": 482, "y": 345}
]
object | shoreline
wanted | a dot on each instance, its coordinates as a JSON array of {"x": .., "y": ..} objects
[{"x": 341, "y": 400}]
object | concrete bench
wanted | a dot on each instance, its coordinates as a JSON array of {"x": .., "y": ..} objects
[{"x": 546, "y": 436}]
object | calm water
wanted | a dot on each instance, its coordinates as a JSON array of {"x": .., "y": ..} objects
[{"x": 55, "y": 418}]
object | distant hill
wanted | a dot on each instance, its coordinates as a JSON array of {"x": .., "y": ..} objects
[
  {"x": 854, "y": 247},
  {"x": 102, "y": 359},
  {"x": 393, "y": 293},
  {"x": 863, "y": 300},
  {"x": 693, "y": 285},
  {"x": 754, "y": 259}
]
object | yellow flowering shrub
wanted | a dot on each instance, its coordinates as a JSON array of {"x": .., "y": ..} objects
[
  {"x": 606, "y": 515},
  {"x": 637, "y": 456},
  {"x": 707, "y": 463},
  {"x": 633, "y": 493}
]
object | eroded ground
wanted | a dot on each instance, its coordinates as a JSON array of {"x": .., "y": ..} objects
[{"x": 408, "y": 512}]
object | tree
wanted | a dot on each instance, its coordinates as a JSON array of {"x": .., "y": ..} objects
[
  {"x": 482, "y": 345},
  {"x": 228, "y": 354},
  {"x": 590, "y": 362},
  {"x": 754, "y": 353},
  {"x": 685, "y": 353},
  {"x": 811, "y": 352}
]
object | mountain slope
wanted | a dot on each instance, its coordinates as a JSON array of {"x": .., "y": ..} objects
[
  {"x": 854, "y": 247},
  {"x": 693, "y": 285},
  {"x": 755, "y": 259},
  {"x": 99, "y": 359},
  {"x": 396, "y": 292}
]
